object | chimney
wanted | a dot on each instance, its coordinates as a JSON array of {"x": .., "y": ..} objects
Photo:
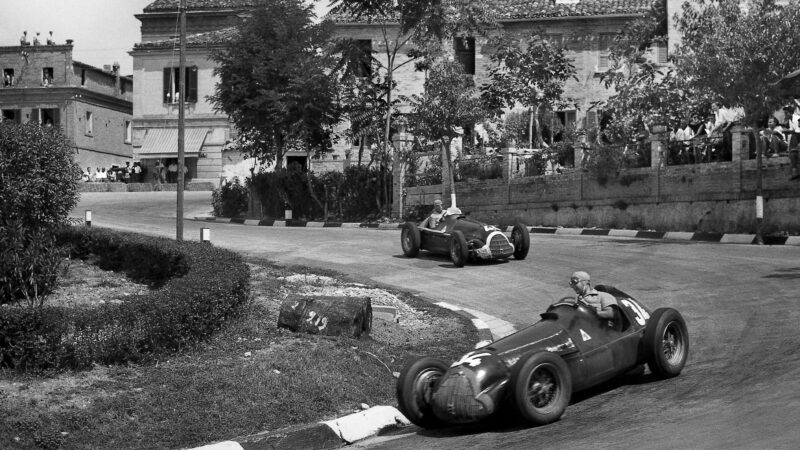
[{"x": 69, "y": 41}]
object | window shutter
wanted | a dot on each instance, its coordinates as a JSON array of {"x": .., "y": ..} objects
[
  {"x": 590, "y": 121},
  {"x": 167, "y": 74},
  {"x": 191, "y": 84}
]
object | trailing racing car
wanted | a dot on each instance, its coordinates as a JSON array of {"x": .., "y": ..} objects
[
  {"x": 465, "y": 239},
  {"x": 536, "y": 369}
]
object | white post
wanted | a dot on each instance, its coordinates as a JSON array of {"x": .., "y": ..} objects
[
  {"x": 205, "y": 235},
  {"x": 88, "y": 217}
]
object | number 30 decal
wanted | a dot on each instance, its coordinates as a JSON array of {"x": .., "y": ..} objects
[{"x": 641, "y": 315}]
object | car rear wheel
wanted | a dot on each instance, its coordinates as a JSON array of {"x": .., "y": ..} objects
[
  {"x": 541, "y": 385},
  {"x": 666, "y": 343},
  {"x": 415, "y": 388},
  {"x": 521, "y": 240},
  {"x": 410, "y": 239},
  {"x": 459, "y": 252}
]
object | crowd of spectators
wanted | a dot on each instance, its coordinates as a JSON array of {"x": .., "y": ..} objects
[{"x": 126, "y": 174}]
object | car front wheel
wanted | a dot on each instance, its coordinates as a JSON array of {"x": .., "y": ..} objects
[
  {"x": 410, "y": 239},
  {"x": 459, "y": 252},
  {"x": 666, "y": 343},
  {"x": 521, "y": 240},
  {"x": 415, "y": 388},
  {"x": 541, "y": 387}
]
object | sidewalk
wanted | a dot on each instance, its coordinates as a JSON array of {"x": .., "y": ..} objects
[{"x": 726, "y": 238}]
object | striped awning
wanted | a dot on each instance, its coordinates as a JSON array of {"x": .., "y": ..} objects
[{"x": 163, "y": 142}]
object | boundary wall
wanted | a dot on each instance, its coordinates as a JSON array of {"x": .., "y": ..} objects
[{"x": 713, "y": 197}]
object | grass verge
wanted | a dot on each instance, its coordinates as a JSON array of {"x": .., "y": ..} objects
[{"x": 249, "y": 377}]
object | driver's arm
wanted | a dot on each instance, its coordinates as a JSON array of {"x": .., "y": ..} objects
[{"x": 606, "y": 300}]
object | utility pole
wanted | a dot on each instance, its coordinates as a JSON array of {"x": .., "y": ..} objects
[
  {"x": 759, "y": 240},
  {"x": 181, "y": 120}
]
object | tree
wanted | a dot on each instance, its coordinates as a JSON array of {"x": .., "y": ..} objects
[
  {"x": 533, "y": 76},
  {"x": 277, "y": 84},
  {"x": 735, "y": 52},
  {"x": 450, "y": 102}
]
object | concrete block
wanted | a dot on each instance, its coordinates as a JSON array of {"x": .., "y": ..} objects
[
  {"x": 679, "y": 235},
  {"x": 622, "y": 233},
  {"x": 737, "y": 238}
]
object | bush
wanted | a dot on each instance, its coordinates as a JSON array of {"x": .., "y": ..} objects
[
  {"x": 38, "y": 189},
  {"x": 231, "y": 199},
  {"x": 197, "y": 288},
  {"x": 353, "y": 194},
  {"x": 29, "y": 263},
  {"x": 38, "y": 176}
]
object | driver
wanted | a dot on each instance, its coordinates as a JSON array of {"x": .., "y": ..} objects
[
  {"x": 434, "y": 221},
  {"x": 580, "y": 282}
]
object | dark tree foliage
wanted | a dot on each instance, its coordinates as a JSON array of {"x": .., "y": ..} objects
[{"x": 277, "y": 83}]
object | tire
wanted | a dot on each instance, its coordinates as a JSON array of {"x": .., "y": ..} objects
[
  {"x": 541, "y": 387},
  {"x": 459, "y": 252},
  {"x": 521, "y": 240},
  {"x": 410, "y": 239},
  {"x": 415, "y": 387},
  {"x": 666, "y": 343}
]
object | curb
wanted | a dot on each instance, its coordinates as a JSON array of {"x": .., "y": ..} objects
[
  {"x": 697, "y": 236},
  {"x": 321, "y": 435}
]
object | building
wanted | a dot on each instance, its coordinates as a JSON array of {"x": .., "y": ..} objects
[
  {"x": 586, "y": 28},
  {"x": 92, "y": 106},
  {"x": 155, "y": 105}
]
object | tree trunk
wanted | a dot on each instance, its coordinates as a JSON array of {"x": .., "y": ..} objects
[{"x": 326, "y": 315}]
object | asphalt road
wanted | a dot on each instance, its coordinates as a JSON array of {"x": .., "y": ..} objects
[{"x": 741, "y": 385}]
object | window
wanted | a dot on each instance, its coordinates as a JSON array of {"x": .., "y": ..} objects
[
  {"x": 465, "y": 53},
  {"x": 47, "y": 76},
  {"x": 361, "y": 62},
  {"x": 8, "y": 77},
  {"x": 45, "y": 116},
  {"x": 172, "y": 87},
  {"x": 590, "y": 120},
  {"x": 83, "y": 77},
  {"x": 128, "y": 131},
  {"x": 89, "y": 126},
  {"x": 659, "y": 53},
  {"x": 563, "y": 120},
  {"x": 606, "y": 40}
]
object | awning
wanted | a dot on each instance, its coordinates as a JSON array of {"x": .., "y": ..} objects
[{"x": 163, "y": 142}]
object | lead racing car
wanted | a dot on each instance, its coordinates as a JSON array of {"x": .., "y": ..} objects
[
  {"x": 537, "y": 369},
  {"x": 465, "y": 239}
]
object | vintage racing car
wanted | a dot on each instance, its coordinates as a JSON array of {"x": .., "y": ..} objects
[
  {"x": 536, "y": 369},
  {"x": 465, "y": 239}
]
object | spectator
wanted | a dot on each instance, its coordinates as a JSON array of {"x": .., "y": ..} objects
[
  {"x": 682, "y": 136},
  {"x": 126, "y": 172},
  {"x": 137, "y": 172},
  {"x": 724, "y": 119},
  {"x": 23, "y": 40},
  {"x": 794, "y": 139},
  {"x": 160, "y": 173},
  {"x": 50, "y": 40},
  {"x": 112, "y": 175},
  {"x": 101, "y": 176},
  {"x": 87, "y": 176},
  {"x": 172, "y": 172},
  {"x": 185, "y": 176},
  {"x": 773, "y": 138},
  {"x": 36, "y": 39}
]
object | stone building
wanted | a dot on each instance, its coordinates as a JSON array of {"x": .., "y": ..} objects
[
  {"x": 586, "y": 29},
  {"x": 92, "y": 106},
  {"x": 155, "y": 71}
]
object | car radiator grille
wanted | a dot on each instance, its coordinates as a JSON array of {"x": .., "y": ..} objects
[
  {"x": 455, "y": 398},
  {"x": 500, "y": 247}
]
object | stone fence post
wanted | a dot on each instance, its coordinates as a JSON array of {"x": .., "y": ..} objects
[{"x": 740, "y": 143}]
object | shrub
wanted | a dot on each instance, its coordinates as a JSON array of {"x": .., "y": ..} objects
[
  {"x": 38, "y": 177},
  {"x": 197, "y": 287},
  {"x": 231, "y": 199},
  {"x": 29, "y": 263},
  {"x": 38, "y": 189}
]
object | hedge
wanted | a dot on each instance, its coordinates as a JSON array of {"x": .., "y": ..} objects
[{"x": 195, "y": 289}]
